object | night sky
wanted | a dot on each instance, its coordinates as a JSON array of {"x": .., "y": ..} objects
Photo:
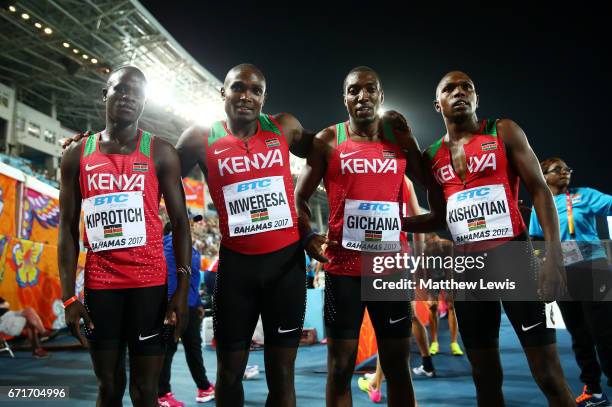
[{"x": 545, "y": 69}]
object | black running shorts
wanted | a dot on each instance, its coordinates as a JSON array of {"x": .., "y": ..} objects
[
  {"x": 131, "y": 315},
  {"x": 271, "y": 284},
  {"x": 344, "y": 311},
  {"x": 479, "y": 321}
]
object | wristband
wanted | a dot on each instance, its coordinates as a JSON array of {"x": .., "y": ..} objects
[
  {"x": 69, "y": 301},
  {"x": 184, "y": 270},
  {"x": 306, "y": 239}
]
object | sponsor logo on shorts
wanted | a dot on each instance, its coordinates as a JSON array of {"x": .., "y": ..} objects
[
  {"x": 527, "y": 328},
  {"x": 144, "y": 338},
  {"x": 395, "y": 321},
  {"x": 258, "y": 215},
  {"x": 284, "y": 331}
]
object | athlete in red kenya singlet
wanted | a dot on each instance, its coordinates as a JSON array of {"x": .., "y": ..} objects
[
  {"x": 364, "y": 183},
  {"x": 120, "y": 204},
  {"x": 485, "y": 206},
  {"x": 250, "y": 183}
]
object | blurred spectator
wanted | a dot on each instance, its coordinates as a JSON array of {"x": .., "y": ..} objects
[{"x": 14, "y": 322}]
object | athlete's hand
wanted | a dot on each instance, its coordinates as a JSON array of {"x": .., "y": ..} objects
[
  {"x": 75, "y": 138},
  {"x": 177, "y": 313},
  {"x": 73, "y": 314},
  {"x": 317, "y": 245},
  {"x": 552, "y": 279}
]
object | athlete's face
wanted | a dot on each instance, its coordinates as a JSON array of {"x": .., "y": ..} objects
[
  {"x": 456, "y": 96},
  {"x": 125, "y": 96},
  {"x": 558, "y": 174},
  {"x": 244, "y": 94},
  {"x": 363, "y": 96}
]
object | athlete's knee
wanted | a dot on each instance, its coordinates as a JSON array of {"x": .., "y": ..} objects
[
  {"x": 340, "y": 371},
  {"x": 490, "y": 376},
  {"x": 142, "y": 390},
  {"x": 550, "y": 382},
  {"x": 110, "y": 390}
]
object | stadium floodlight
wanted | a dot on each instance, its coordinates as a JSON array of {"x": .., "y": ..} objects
[
  {"x": 94, "y": 61},
  {"x": 25, "y": 16},
  {"x": 76, "y": 51},
  {"x": 12, "y": 9},
  {"x": 85, "y": 56},
  {"x": 38, "y": 25},
  {"x": 48, "y": 31},
  {"x": 66, "y": 45}
]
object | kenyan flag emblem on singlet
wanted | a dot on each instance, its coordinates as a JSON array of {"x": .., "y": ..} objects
[
  {"x": 257, "y": 215},
  {"x": 140, "y": 167},
  {"x": 272, "y": 142},
  {"x": 113, "y": 231},
  {"x": 373, "y": 235},
  {"x": 477, "y": 223}
]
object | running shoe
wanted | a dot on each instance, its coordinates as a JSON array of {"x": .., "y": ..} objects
[
  {"x": 169, "y": 401},
  {"x": 251, "y": 371},
  {"x": 420, "y": 371},
  {"x": 375, "y": 395},
  {"x": 434, "y": 348},
  {"x": 588, "y": 399},
  {"x": 206, "y": 395},
  {"x": 456, "y": 349},
  {"x": 369, "y": 376},
  {"x": 364, "y": 384}
]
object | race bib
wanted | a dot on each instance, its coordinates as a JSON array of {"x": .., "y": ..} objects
[
  {"x": 371, "y": 226},
  {"x": 115, "y": 221},
  {"x": 554, "y": 319},
  {"x": 479, "y": 213},
  {"x": 571, "y": 252},
  {"x": 257, "y": 205}
]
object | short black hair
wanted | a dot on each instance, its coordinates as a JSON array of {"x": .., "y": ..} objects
[
  {"x": 244, "y": 66},
  {"x": 361, "y": 68},
  {"x": 131, "y": 68}
]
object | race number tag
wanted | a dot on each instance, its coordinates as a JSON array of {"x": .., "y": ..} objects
[
  {"x": 553, "y": 316},
  {"x": 571, "y": 252},
  {"x": 479, "y": 213},
  {"x": 257, "y": 205},
  {"x": 115, "y": 221},
  {"x": 371, "y": 226}
]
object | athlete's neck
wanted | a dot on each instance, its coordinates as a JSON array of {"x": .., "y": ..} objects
[
  {"x": 364, "y": 130},
  {"x": 558, "y": 190},
  {"x": 461, "y": 128},
  {"x": 242, "y": 129},
  {"x": 120, "y": 132}
]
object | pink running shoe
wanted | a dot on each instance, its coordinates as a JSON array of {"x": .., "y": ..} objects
[
  {"x": 169, "y": 401},
  {"x": 206, "y": 395},
  {"x": 375, "y": 395}
]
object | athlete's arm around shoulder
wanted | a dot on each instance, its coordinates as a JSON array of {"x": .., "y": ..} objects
[
  {"x": 417, "y": 168},
  {"x": 299, "y": 139},
  {"x": 191, "y": 147},
  {"x": 312, "y": 174}
]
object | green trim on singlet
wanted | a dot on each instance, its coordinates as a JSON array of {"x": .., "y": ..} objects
[
  {"x": 268, "y": 125},
  {"x": 490, "y": 128},
  {"x": 145, "y": 144},
  {"x": 340, "y": 133},
  {"x": 90, "y": 145},
  {"x": 217, "y": 131},
  {"x": 433, "y": 149},
  {"x": 388, "y": 132}
]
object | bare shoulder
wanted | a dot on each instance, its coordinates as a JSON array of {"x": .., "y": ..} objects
[{"x": 72, "y": 153}]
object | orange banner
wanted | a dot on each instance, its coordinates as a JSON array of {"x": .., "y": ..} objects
[
  {"x": 8, "y": 198},
  {"x": 40, "y": 218},
  {"x": 30, "y": 278},
  {"x": 194, "y": 193}
]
